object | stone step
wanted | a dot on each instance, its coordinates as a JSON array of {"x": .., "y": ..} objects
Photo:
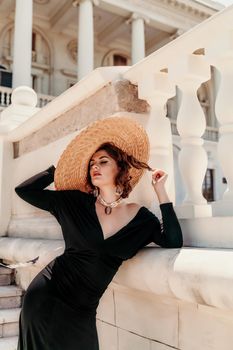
[
  {"x": 5, "y": 270},
  {"x": 9, "y": 322},
  {"x": 9, "y": 343},
  {"x": 6, "y": 276},
  {"x": 10, "y": 297},
  {"x": 6, "y": 279}
]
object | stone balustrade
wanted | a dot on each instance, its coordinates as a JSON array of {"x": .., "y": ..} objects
[
  {"x": 5, "y": 98},
  {"x": 153, "y": 297},
  {"x": 182, "y": 66}
]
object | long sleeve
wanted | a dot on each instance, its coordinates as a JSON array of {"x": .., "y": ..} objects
[
  {"x": 32, "y": 190},
  {"x": 167, "y": 234}
]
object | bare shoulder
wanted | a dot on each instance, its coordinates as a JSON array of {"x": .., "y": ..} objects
[{"x": 133, "y": 207}]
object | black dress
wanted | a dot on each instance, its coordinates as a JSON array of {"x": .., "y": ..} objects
[{"x": 59, "y": 306}]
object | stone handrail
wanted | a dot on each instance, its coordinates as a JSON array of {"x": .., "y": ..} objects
[
  {"x": 5, "y": 98},
  {"x": 186, "y": 63},
  {"x": 68, "y": 99},
  {"x": 178, "y": 273}
]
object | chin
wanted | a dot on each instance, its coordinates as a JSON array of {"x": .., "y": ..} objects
[{"x": 95, "y": 182}]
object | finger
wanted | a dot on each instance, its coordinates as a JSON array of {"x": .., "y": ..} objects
[{"x": 162, "y": 178}]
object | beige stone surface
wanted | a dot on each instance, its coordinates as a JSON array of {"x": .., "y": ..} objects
[
  {"x": 147, "y": 315},
  {"x": 158, "y": 346},
  {"x": 128, "y": 340},
  {"x": 107, "y": 335},
  {"x": 106, "y": 308},
  {"x": 204, "y": 328},
  {"x": 10, "y": 329},
  {"x": 9, "y": 343},
  {"x": 112, "y": 98}
]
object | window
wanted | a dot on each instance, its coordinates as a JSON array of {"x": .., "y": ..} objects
[
  {"x": 33, "y": 41},
  {"x": 115, "y": 57},
  {"x": 5, "y": 78},
  {"x": 34, "y": 82},
  {"x": 208, "y": 185},
  {"x": 119, "y": 60}
]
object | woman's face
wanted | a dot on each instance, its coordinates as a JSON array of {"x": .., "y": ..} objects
[{"x": 103, "y": 169}]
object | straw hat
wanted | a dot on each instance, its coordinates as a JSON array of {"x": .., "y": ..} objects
[{"x": 123, "y": 132}]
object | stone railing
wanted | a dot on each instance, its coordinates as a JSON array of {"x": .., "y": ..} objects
[
  {"x": 211, "y": 133},
  {"x": 5, "y": 98},
  {"x": 154, "y": 296},
  {"x": 43, "y": 100},
  {"x": 178, "y": 65}
]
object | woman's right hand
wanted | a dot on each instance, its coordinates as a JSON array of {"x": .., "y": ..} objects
[{"x": 159, "y": 178}]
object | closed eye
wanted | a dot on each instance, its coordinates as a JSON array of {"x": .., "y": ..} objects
[{"x": 102, "y": 162}]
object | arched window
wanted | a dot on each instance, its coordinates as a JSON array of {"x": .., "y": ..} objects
[{"x": 116, "y": 58}]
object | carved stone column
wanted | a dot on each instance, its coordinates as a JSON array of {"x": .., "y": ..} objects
[
  {"x": 188, "y": 74},
  {"x": 85, "y": 36},
  {"x": 138, "y": 36},
  {"x": 157, "y": 89},
  {"x": 220, "y": 55},
  {"x": 22, "y": 55}
]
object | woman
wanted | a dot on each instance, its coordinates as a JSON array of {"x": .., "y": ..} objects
[{"x": 98, "y": 169}]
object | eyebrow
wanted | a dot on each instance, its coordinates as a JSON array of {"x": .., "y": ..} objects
[{"x": 99, "y": 158}]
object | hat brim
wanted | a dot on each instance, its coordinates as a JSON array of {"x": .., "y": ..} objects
[{"x": 123, "y": 132}]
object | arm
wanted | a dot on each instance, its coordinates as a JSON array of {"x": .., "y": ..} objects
[
  {"x": 32, "y": 190},
  {"x": 168, "y": 234}
]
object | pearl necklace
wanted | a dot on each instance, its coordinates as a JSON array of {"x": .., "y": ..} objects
[{"x": 109, "y": 206}]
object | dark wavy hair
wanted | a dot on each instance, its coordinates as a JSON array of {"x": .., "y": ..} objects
[{"x": 124, "y": 162}]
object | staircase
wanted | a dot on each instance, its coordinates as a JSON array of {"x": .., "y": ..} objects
[{"x": 10, "y": 303}]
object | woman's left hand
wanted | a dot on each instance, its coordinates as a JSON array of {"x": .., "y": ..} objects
[{"x": 159, "y": 178}]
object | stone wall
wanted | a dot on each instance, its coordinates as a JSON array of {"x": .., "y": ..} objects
[{"x": 132, "y": 319}]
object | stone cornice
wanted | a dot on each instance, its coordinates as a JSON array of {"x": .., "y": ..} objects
[
  {"x": 185, "y": 6},
  {"x": 135, "y": 16},
  {"x": 77, "y": 2}
]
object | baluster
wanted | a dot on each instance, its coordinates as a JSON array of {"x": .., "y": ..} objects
[
  {"x": 220, "y": 55},
  {"x": 157, "y": 89},
  {"x": 188, "y": 74},
  {"x": 8, "y": 102}
]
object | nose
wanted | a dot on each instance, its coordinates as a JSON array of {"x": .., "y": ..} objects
[{"x": 95, "y": 166}]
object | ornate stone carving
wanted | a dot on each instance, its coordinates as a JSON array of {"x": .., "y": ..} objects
[
  {"x": 72, "y": 49},
  {"x": 77, "y": 2},
  {"x": 41, "y": 2},
  {"x": 135, "y": 16}
]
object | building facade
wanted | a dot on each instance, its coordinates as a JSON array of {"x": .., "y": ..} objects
[{"x": 49, "y": 46}]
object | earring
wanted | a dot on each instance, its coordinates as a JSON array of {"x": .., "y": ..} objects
[
  {"x": 95, "y": 191},
  {"x": 118, "y": 190}
]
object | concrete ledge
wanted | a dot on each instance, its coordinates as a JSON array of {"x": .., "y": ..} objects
[
  {"x": 209, "y": 232},
  {"x": 22, "y": 249},
  {"x": 42, "y": 227},
  {"x": 87, "y": 86},
  {"x": 10, "y": 291},
  {"x": 9, "y": 315},
  {"x": 9, "y": 343},
  {"x": 196, "y": 231},
  {"x": 197, "y": 275}
]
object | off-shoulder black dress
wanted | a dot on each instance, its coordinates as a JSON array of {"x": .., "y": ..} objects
[{"x": 59, "y": 306}]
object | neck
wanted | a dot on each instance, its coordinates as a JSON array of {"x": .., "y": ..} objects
[{"x": 108, "y": 194}]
